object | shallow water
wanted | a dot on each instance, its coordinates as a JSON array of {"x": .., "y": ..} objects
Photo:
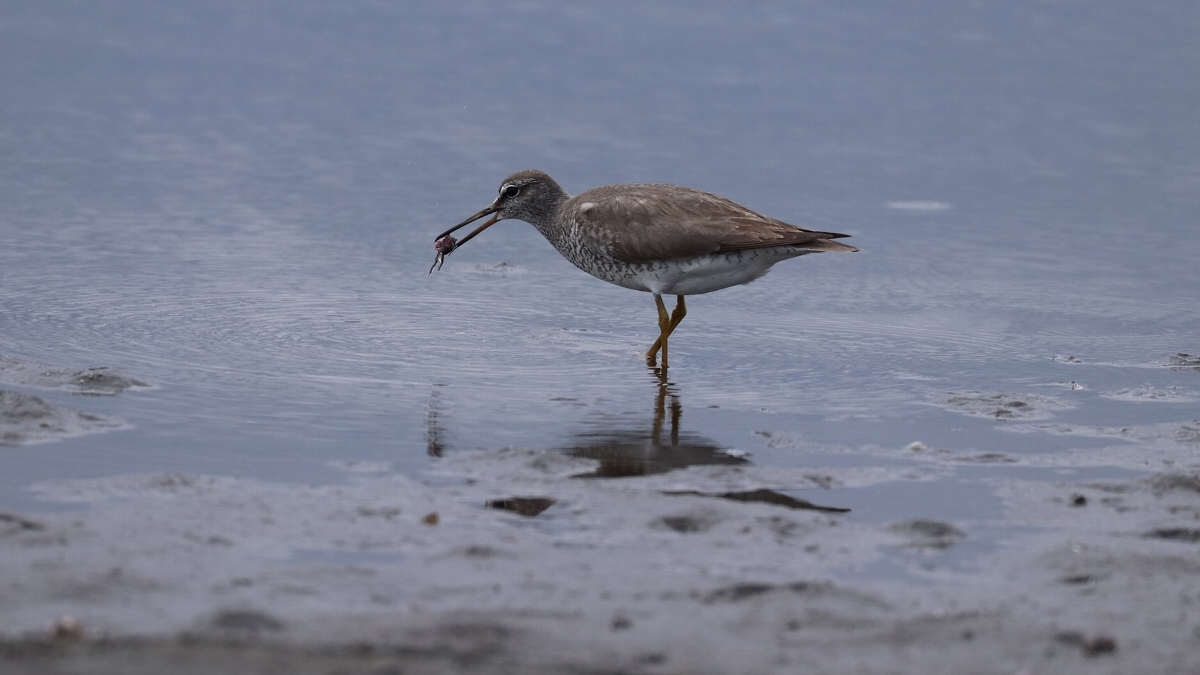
[{"x": 234, "y": 205}]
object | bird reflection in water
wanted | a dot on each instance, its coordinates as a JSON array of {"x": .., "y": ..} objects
[
  {"x": 621, "y": 449},
  {"x": 638, "y": 451},
  {"x": 624, "y": 450}
]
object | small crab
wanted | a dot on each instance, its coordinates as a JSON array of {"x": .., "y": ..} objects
[{"x": 445, "y": 246}]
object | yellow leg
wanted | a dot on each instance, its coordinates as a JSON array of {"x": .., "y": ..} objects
[
  {"x": 666, "y": 326},
  {"x": 678, "y": 314}
]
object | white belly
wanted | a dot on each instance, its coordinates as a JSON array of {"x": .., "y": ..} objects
[{"x": 704, "y": 274}]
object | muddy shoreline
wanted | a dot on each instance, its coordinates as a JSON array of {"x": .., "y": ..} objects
[{"x": 206, "y": 573}]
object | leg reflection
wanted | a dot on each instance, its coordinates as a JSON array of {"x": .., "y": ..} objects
[
  {"x": 433, "y": 429},
  {"x": 665, "y": 390},
  {"x": 628, "y": 448}
]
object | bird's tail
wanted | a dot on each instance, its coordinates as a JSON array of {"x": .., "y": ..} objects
[{"x": 826, "y": 243}]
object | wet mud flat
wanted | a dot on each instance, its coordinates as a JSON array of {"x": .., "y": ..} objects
[{"x": 521, "y": 561}]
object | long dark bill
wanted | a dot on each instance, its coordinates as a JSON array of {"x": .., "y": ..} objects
[{"x": 491, "y": 208}]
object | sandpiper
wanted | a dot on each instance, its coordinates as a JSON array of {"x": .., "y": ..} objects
[{"x": 662, "y": 239}]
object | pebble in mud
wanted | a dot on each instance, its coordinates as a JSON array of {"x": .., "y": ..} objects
[
  {"x": 525, "y": 506},
  {"x": 1091, "y": 646},
  {"x": 243, "y": 622},
  {"x": 67, "y": 629},
  {"x": 1184, "y": 534},
  {"x": 927, "y": 534},
  {"x": 687, "y": 523}
]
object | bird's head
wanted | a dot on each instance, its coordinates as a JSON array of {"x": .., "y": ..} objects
[{"x": 528, "y": 195}]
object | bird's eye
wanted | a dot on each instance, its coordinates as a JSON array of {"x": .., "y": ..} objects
[{"x": 511, "y": 191}]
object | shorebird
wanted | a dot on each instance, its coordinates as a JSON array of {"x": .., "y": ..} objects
[{"x": 662, "y": 239}]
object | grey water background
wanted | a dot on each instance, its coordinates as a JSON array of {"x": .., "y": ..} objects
[{"x": 235, "y": 202}]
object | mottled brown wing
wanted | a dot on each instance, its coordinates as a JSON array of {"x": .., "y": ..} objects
[{"x": 643, "y": 223}]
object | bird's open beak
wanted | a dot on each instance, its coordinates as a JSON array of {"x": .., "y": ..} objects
[{"x": 494, "y": 207}]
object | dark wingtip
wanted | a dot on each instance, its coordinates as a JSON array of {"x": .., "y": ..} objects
[{"x": 827, "y": 243}]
